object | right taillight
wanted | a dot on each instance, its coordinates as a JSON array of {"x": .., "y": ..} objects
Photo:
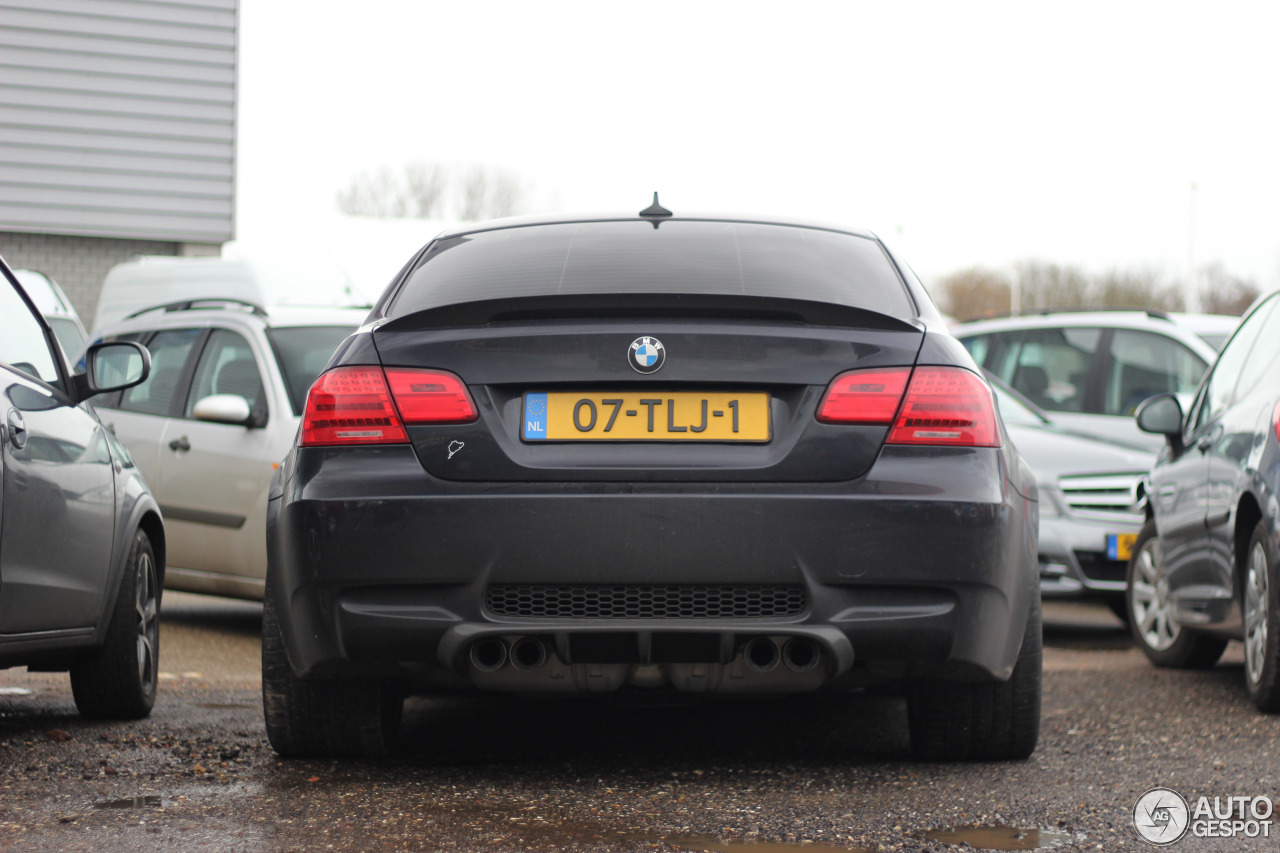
[
  {"x": 1275, "y": 421},
  {"x": 946, "y": 405},
  {"x": 351, "y": 405}
]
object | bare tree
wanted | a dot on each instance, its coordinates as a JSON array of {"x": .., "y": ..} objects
[
  {"x": 489, "y": 193},
  {"x": 425, "y": 188},
  {"x": 428, "y": 191},
  {"x": 975, "y": 292},
  {"x": 1047, "y": 286},
  {"x": 376, "y": 193},
  {"x": 1224, "y": 293},
  {"x": 1135, "y": 289},
  {"x": 506, "y": 195}
]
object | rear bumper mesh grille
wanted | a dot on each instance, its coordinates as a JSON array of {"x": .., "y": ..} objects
[{"x": 643, "y": 601}]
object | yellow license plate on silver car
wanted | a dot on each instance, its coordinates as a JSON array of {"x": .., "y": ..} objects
[
  {"x": 1120, "y": 545},
  {"x": 646, "y": 416}
]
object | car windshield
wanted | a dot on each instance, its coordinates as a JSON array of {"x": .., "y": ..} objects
[
  {"x": 302, "y": 353},
  {"x": 634, "y": 257}
]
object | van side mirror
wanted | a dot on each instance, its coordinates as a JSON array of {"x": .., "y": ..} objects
[
  {"x": 1162, "y": 415},
  {"x": 112, "y": 366}
]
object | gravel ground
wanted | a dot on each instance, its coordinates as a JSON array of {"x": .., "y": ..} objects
[{"x": 500, "y": 774}]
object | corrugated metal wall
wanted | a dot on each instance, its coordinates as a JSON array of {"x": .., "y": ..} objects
[{"x": 118, "y": 118}]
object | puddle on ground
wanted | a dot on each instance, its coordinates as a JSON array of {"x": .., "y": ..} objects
[
  {"x": 1001, "y": 837},
  {"x": 147, "y": 801},
  {"x": 14, "y": 691}
]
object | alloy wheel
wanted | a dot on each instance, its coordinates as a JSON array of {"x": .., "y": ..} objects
[
  {"x": 1255, "y": 614},
  {"x": 147, "y": 609},
  {"x": 1152, "y": 610}
]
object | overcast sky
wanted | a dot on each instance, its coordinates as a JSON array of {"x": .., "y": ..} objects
[{"x": 963, "y": 133}]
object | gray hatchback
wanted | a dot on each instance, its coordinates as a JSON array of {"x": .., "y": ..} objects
[
  {"x": 652, "y": 453},
  {"x": 82, "y": 545}
]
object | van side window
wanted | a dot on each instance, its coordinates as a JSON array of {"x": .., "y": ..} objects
[{"x": 169, "y": 352}]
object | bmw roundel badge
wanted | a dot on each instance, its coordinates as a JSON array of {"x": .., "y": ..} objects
[{"x": 647, "y": 355}]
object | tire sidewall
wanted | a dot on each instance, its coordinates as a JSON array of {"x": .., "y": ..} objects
[
  {"x": 1160, "y": 657},
  {"x": 1265, "y": 692},
  {"x": 141, "y": 545}
]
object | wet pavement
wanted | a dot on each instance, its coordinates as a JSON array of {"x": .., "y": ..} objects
[{"x": 499, "y": 774}]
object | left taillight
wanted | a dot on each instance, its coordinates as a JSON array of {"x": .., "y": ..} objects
[
  {"x": 351, "y": 405},
  {"x": 367, "y": 405}
]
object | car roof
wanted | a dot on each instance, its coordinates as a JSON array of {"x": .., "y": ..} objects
[
  {"x": 1183, "y": 327},
  {"x": 562, "y": 219},
  {"x": 242, "y": 313}
]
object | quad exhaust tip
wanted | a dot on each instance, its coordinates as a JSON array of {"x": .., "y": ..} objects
[
  {"x": 801, "y": 654},
  {"x": 488, "y": 654},
  {"x": 528, "y": 654},
  {"x": 761, "y": 654}
]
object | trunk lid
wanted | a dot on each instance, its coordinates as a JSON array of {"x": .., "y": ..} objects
[{"x": 724, "y": 350}]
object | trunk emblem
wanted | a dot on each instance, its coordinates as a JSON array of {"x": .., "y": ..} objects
[{"x": 647, "y": 355}]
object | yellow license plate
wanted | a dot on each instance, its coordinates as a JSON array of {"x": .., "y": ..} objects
[
  {"x": 646, "y": 416},
  {"x": 1120, "y": 545}
]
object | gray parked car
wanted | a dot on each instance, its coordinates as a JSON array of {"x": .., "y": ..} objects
[
  {"x": 1090, "y": 501},
  {"x": 81, "y": 541}
]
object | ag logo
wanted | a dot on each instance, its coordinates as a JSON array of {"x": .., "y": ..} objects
[
  {"x": 1161, "y": 816},
  {"x": 647, "y": 355}
]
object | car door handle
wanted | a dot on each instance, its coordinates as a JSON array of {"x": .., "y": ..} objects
[
  {"x": 17, "y": 428},
  {"x": 180, "y": 445}
]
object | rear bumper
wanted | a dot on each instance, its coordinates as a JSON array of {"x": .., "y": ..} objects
[{"x": 926, "y": 566}]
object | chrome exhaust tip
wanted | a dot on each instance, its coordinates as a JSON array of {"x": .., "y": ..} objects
[
  {"x": 488, "y": 654},
  {"x": 761, "y": 654},
  {"x": 528, "y": 653},
  {"x": 801, "y": 654}
]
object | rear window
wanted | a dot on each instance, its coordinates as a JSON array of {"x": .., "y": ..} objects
[
  {"x": 677, "y": 257},
  {"x": 302, "y": 352}
]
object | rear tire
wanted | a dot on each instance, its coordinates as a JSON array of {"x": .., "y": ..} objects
[
  {"x": 1162, "y": 638},
  {"x": 117, "y": 681},
  {"x": 962, "y": 721},
  {"x": 1261, "y": 608},
  {"x": 329, "y": 718}
]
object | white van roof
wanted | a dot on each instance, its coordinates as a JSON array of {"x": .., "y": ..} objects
[{"x": 297, "y": 281}]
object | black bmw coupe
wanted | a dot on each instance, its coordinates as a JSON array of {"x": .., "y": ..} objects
[{"x": 652, "y": 453}]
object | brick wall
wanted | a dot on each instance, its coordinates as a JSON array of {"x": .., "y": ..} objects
[{"x": 79, "y": 264}]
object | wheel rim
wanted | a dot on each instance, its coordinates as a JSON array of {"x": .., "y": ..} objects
[
  {"x": 1255, "y": 614},
  {"x": 1149, "y": 600},
  {"x": 147, "y": 611}
]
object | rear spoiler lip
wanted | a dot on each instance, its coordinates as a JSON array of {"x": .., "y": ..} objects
[{"x": 649, "y": 306}]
